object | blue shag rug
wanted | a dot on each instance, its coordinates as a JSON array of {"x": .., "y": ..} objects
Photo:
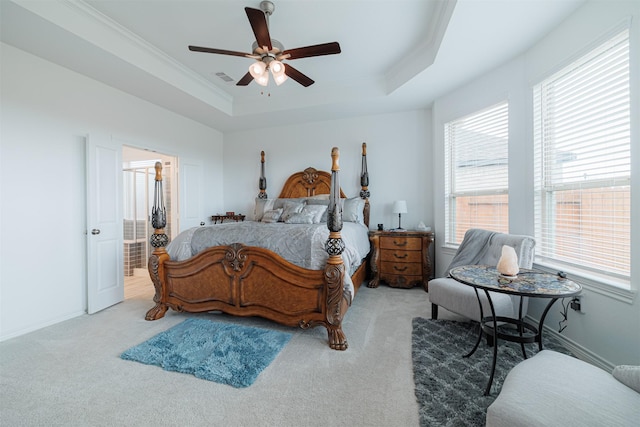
[{"x": 222, "y": 352}]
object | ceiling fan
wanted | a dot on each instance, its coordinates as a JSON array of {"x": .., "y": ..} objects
[{"x": 269, "y": 53}]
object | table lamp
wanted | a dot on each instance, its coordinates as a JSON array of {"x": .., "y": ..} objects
[{"x": 400, "y": 207}]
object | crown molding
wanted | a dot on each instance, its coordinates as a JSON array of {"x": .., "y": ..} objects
[
  {"x": 422, "y": 56},
  {"x": 82, "y": 20}
]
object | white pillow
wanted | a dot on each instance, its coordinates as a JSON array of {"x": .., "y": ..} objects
[
  {"x": 353, "y": 210},
  {"x": 272, "y": 215},
  {"x": 262, "y": 206}
]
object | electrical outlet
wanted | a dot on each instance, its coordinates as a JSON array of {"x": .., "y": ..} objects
[{"x": 577, "y": 304}]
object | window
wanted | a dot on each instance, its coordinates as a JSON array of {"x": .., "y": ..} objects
[
  {"x": 476, "y": 168},
  {"x": 582, "y": 143}
]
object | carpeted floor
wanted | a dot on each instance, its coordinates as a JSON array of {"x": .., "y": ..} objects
[{"x": 449, "y": 388}]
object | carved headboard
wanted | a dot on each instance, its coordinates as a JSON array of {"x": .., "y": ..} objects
[
  {"x": 309, "y": 182},
  {"x": 312, "y": 182}
]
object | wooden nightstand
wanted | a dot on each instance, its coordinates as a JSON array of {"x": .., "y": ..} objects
[
  {"x": 232, "y": 217},
  {"x": 400, "y": 258}
]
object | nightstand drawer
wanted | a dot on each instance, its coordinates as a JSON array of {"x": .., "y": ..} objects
[
  {"x": 410, "y": 269},
  {"x": 401, "y": 256},
  {"x": 401, "y": 242}
]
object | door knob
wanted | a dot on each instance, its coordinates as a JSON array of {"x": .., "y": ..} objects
[{"x": 95, "y": 231}]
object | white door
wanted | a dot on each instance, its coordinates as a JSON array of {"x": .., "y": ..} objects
[
  {"x": 105, "y": 270},
  {"x": 191, "y": 211}
]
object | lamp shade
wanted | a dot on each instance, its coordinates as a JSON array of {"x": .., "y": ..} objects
[
  {"x": 400, "y": 206},
  {"x": 277, "y": 69},
  {"x": 257, "y": 69}
]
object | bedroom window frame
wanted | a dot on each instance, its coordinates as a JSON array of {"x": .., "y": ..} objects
[
  {"x": 477, "y": 184},
  {"x": 606, "y": 63}
]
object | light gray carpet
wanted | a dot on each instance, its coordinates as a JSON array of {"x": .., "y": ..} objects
[
  {"x": 450, "y": 388},
  {"x": 71, "y": 374}
]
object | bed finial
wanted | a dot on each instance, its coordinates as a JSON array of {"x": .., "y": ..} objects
[
  {"x": 335, "y": 155},
  {"x": 364, "y": 176},
  {"x": 262, "y": 184},
  {"x": 158, "y": 215},
  {"x": 364, "y": 183}
]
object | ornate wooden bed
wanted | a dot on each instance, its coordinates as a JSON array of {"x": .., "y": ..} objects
[{"x": 251, "y": 281}]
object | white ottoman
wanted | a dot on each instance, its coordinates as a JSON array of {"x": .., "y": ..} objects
[{"x": 553, "y": 389}]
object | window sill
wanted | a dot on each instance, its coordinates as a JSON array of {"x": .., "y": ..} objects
[{"x": 601, "y": 284}]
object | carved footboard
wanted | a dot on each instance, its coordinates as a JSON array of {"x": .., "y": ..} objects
[{"x": 250, "y": 281}]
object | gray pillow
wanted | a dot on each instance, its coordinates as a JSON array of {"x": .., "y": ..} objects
[
  {"x": 290, "y": 208},
  {"x": 279, "y": 203},
  {"x": 320, "y": 202},
  {"x": 316, "y": 212}
]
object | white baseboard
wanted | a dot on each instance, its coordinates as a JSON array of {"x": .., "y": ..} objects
[{"x": 579, "y": 351}]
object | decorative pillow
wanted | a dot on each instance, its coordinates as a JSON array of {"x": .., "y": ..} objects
[
  {"x": 628, "y": 375},
  {"x": 300, "y": 218},
  {"x": 322, "y": 202},
  {"x": 262, "y": 206},
  {"x": 279, "y": 203},
  {"x": 291, "y": 208},
  {"x": 353, "y": 210},
  {"x": 272, "y": 216},
  {"x": 316, "y": 212}
]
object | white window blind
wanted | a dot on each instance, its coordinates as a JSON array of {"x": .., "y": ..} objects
[
  {"x": 583, "y": 162},
  {"x": 476, "y": 168}
]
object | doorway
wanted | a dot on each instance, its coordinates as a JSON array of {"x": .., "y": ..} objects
[{"x": 138, "y": 169}]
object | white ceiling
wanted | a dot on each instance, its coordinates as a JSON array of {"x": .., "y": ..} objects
[{"x": 396, "y": 55}]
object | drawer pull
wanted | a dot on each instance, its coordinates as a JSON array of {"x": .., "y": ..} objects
[
  {"x": 401, "y": 256},
  {"x": 399, "y": 269},
  {"x": 403, "y": 243}
]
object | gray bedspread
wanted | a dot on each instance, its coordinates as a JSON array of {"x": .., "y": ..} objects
[{"x": 300, "y": 244}]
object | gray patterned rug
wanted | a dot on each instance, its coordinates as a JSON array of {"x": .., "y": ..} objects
[{"x": 450, "y": 388}]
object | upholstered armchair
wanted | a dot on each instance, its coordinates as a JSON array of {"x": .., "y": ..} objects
[{"x": 480, "y": 247}]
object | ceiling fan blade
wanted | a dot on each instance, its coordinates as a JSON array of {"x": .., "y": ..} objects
[
  {"x": 219, "y": 51},
  {"x": 297, "y": 76},
  {"x": 245, "y": 80},
  {"x": 259, "y": 25},
  {"x": 315, "y": 50}
]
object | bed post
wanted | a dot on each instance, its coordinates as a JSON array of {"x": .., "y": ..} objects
[
  {"x": 334, "y": 270},
  {"x": 364, "y": 183},
  {"x": 158, "y": 240},
  {"x": 262, "y": 184}
]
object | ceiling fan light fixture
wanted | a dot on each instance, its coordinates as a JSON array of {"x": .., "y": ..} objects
[
  {"x": 280, "y": 78},
  {"x": 277, "y": 69},
  {"x": 258, "y": 69},
  {"x": 263, "y": 80}
]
